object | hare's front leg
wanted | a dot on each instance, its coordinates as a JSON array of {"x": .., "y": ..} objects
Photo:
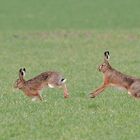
[
  {"x": 37, "y": 96},
  {"x": 66, "y": 94},
  {"x": 97, "y": 91},
  {"x": 40, "y": 97}
]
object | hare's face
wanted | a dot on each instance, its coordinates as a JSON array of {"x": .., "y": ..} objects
[
  {"x": 18, "y": 84},
  {"x": 103, "y": 67}
]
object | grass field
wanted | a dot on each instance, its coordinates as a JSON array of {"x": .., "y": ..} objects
[{"x": 70, "y": 37}]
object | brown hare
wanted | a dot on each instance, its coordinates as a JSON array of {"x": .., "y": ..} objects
[
  {"x": 33, "y": 87},
  {"x": 115, "y": 78}
]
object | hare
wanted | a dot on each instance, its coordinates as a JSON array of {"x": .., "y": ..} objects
[
  {"x": 33, "y": 87},
  {"x": 115, "y": 78}
]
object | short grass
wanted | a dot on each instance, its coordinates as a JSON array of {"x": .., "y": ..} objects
[
  {"x": 112, "y": 115},
  {"x": 68, "y": 14},
  {"x": 67, "y": 44}
]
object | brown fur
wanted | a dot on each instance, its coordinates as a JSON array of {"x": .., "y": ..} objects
[
  {"x": 33, "y": 87},
  {"x": 115, "y": 78}
]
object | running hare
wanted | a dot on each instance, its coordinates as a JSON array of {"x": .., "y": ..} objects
[
  {"x": 115, "y": 78},
  {"x": 33, "y": 87}
]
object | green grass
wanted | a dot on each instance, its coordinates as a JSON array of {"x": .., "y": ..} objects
[
  {"x": 69, "y": 37},
  {"x": 69, "y": 14},
  {"x": 112, "y": 115}
]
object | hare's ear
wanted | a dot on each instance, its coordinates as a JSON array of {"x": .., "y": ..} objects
[
  {"x": 106, "y": 55},
  {"x": 22, "y": 73}
]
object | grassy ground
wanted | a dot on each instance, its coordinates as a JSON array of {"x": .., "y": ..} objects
[
  {"x": 68, "y": 14},
  {"x": 69, "y": 37}
]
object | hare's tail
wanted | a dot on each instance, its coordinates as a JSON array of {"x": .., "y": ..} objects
[{"x": 63, "y": 80}]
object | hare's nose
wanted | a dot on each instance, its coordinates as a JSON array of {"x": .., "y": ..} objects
[{"x": 99, "y": 68}]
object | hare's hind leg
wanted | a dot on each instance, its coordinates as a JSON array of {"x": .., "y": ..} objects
[
  {"x": 66, "y": 94},
  {"x": 135, "y": 90},
  {"x": 136, "y": 95}
]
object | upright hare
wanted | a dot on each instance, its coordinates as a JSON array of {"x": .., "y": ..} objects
[
  {"x": 115, "y": 78},
  {"x": 33, "y": 87}
]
